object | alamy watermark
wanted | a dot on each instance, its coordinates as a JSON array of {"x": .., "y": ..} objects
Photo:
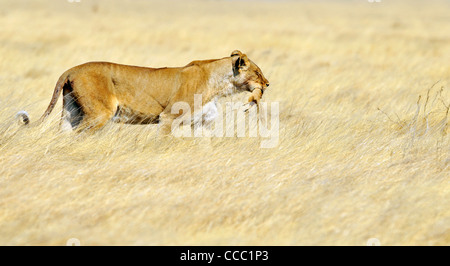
[
  {"x": 238, "y": 120},
  {"x": 373, "y": 242},
  {"x": 73, "y": 242}
]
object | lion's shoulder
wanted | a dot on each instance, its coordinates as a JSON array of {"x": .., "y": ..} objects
[{"x": 200, "y": 63}]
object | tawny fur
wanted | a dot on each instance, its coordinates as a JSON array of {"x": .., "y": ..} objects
[{"x": 143, "y": 95}]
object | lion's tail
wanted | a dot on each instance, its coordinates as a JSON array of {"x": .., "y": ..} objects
[
  {"x": 24, "y": 116},
  {"x": 56, "y": 93}
]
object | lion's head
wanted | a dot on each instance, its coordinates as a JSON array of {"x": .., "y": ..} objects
[{"x": 247, "y": 75}]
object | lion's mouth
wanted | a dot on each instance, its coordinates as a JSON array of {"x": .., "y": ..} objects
[{"x": 252, "y": 90}]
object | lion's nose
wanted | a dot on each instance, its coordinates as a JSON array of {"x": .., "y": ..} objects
[{"x": 267, "y": 84}]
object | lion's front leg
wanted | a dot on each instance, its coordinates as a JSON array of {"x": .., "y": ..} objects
[{"x": 165, "y": 123}]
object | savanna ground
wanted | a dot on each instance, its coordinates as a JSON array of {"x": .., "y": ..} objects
[{"x": 360, "y": 156}]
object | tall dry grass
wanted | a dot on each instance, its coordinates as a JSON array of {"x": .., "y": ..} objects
[{"x": 360, "y": 155}]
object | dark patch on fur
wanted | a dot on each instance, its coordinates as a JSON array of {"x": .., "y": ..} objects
[{"x": 71, "y": 106}]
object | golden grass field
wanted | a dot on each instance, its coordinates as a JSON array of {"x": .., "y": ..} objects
[{"x": 359, "y": 155}]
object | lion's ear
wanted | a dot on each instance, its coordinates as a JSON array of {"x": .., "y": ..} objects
[
  {"x": 240, "y": 63},
  {"x": 236, "y": 52},
  {"x": 244, "y": 62}
]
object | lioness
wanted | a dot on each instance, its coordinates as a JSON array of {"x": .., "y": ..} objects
[{"x": 96, "y": 92}]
